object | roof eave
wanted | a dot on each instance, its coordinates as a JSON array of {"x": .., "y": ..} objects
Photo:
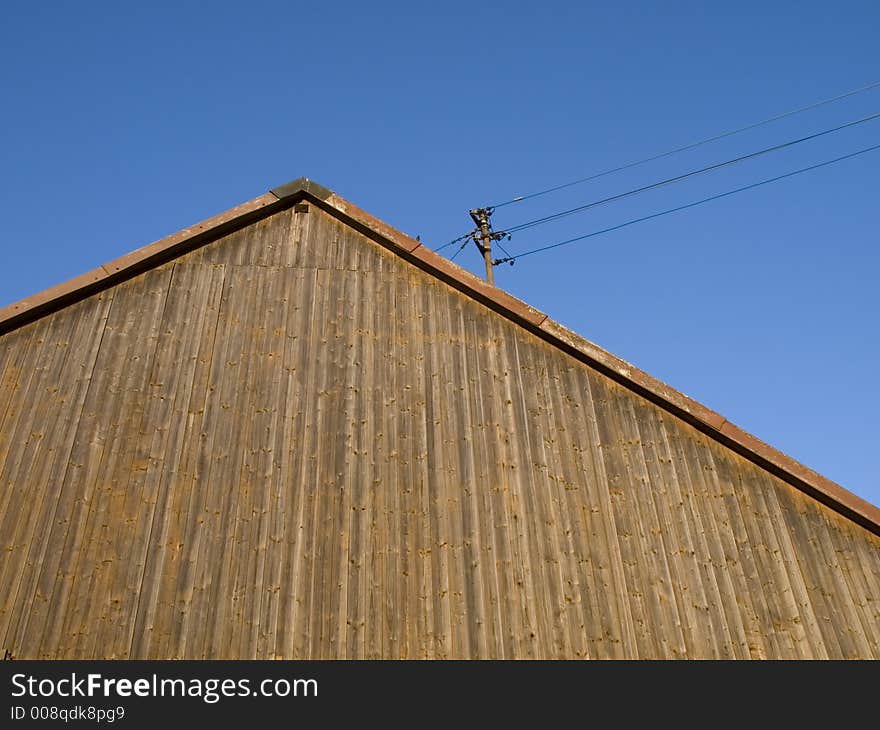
[{"x": 284, "y": 196}]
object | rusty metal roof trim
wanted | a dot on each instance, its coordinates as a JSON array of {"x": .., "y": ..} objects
[
  {"x": 131, "y": 264},
  {"x": 706, "y": 420}
]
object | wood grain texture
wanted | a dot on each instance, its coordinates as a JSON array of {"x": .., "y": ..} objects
[{"x": 291, "y": 443}]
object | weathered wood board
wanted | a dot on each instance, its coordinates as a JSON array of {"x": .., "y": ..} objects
[{"x": 293, "y": 443}]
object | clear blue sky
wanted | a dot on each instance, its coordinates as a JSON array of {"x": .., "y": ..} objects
[{"x": 123, "y": 122}]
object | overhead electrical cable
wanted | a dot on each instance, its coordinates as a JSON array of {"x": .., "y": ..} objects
[
  {"x": 688, "y": 205},
  {"x": 685, "y": 176},
  {"x": 690, "y": 146},
  {"x": 460, "y": 248},
  {"x": 504, "y": 250},
  {"x": 453, "y": 241}
]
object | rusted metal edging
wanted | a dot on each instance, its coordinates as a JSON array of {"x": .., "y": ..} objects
[
  {"x": 535, "y": 321},
  {"x": 136, "y": 262},
  {"x": 673, "y": 401}
]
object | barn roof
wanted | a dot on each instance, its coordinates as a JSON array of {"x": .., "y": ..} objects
[{"x": 706, "y": 420}]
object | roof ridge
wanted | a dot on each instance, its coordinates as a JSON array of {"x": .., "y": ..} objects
[{"x": 706, "y": 420}]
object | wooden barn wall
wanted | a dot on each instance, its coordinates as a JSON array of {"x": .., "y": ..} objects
[{"x": 290, "y": 443}]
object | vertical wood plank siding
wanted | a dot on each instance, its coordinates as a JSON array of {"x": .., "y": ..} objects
[{"x": 291, "y": 443}]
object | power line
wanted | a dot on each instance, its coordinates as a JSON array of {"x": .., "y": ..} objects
[
  {"x": 690, "y": 146},
  {"x": 460, "y": 248},
  {"x": 689, "y": 205},
  {"x": 453, "y": 241},
  {"x": 692, "y": 173},
  {"x": 506, "y": 252}
]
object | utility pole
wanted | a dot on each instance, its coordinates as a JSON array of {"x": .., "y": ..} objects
[{"x": 483, "y": 237}]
